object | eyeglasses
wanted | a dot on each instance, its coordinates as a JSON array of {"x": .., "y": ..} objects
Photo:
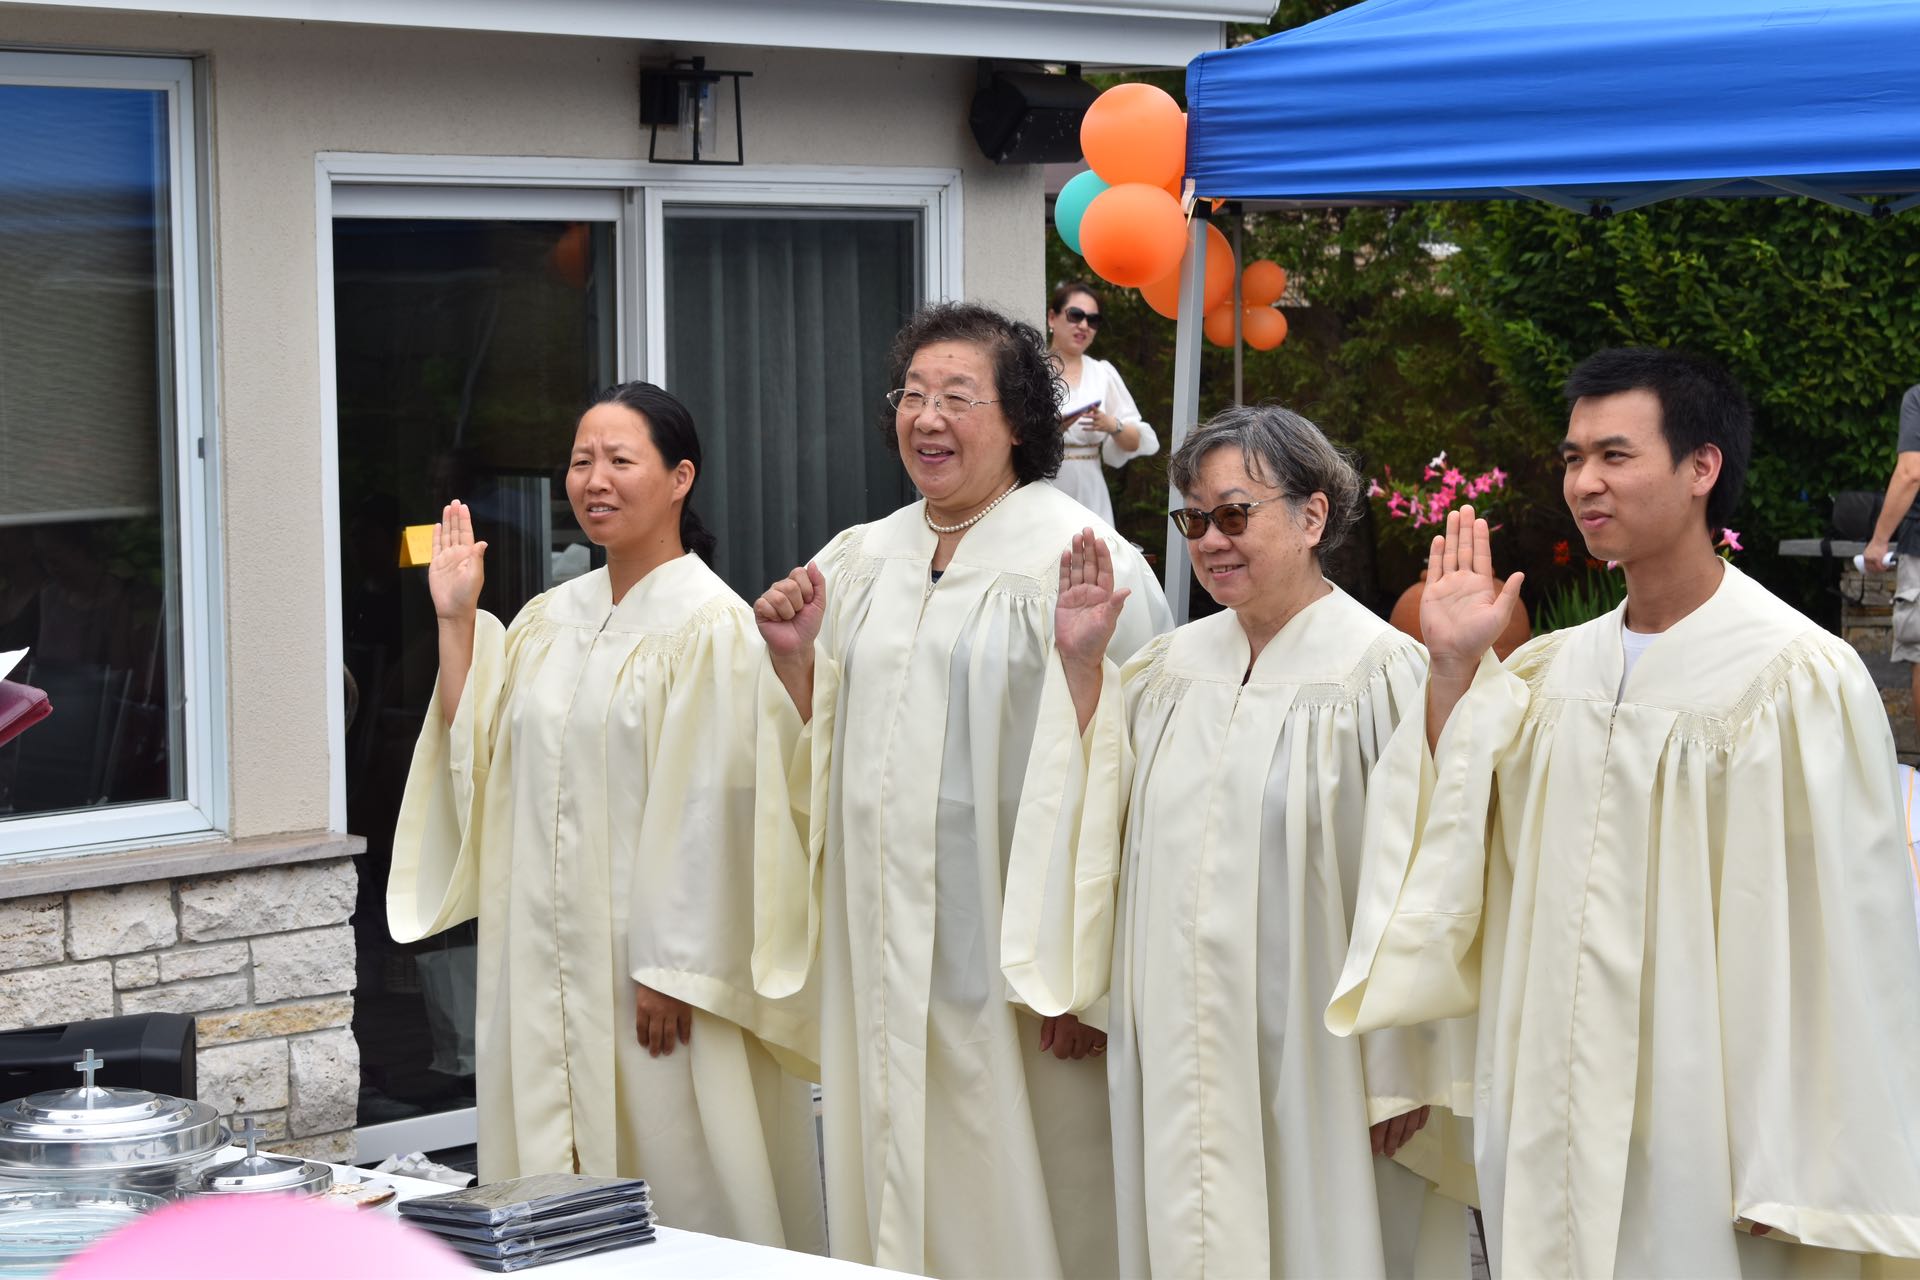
[
  {"x": 1075, "y": 315},
  {"x": 1229, "y": 518},
  {"x": 948, "y": 404}
]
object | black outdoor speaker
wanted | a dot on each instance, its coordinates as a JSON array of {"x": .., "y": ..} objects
[
  {"x": 152, "y": 1051},
  {"x": 1025, "y": 117}
]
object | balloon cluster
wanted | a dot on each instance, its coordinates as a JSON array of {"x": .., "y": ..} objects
[{"x": 1124, "y": 216}]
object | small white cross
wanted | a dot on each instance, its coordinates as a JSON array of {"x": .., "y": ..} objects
[
  {"x": 250, "y": 1133},
  {"x": 86, "y": 1067}
]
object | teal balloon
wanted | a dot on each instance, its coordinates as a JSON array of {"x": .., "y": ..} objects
[{"x": 1071, "y": 205}]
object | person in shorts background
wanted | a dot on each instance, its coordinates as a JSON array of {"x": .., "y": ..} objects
[{"x": 1898, "y": 530}]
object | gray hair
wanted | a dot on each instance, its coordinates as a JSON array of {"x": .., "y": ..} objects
[{"x": 1281, "y": 449}]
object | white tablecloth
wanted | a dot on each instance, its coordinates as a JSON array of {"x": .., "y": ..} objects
[{"x": 670, "y": 1253}]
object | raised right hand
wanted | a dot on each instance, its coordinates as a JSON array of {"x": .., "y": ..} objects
[
  {"x": 1464, "y": 607},
  {"x": 790, "y": 613},
  {"x": 1087, "y": 609},
  {"x": 457, "y": 570}
]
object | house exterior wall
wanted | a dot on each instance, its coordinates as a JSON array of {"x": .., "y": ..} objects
[
  {"x": 280, "y": 92},
  {"x": 270, "y": 983}
]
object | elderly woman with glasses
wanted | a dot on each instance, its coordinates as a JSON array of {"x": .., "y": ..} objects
[
  {"x": 964, "y": 1135},
  {"x": 1187, "y": 853}
]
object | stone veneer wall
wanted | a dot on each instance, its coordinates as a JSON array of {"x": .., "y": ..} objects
[
  {"x": 263, "y": 958},
  {"x": 1866, "y": 622}
]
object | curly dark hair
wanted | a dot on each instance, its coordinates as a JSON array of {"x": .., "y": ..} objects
[{"x": 1026, "y": 382}]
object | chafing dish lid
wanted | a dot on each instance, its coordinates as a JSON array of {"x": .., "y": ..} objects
[
  {"x": 254, "y": 1172},
  {"x": 103, "y": 1127}
]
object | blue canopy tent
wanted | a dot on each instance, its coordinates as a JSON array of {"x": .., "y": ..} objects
[{"x": 1597, "y": 108}]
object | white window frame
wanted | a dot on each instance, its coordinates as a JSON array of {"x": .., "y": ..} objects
[
  {"x": 203, "y": 746},
  {"x": 357, "y": 184}
]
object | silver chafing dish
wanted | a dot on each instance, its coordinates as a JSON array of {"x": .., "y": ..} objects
[
  {"x": 101, "y": 1136},
  {"x": 255, "y": 1174}
]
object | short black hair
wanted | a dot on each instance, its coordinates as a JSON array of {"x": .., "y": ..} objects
[
  {"x": 1700, "y": 404},
  {"x": 1026, "y": 381}
]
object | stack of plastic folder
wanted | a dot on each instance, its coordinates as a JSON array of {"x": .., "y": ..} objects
[{"x": 508, "y": 1226}]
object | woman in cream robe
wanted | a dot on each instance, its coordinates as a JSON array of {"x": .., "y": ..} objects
[
  {"x": 896, "y": 729},
  {"x": 590, "y": 798},
  {"x": 1219, "y": 779}
]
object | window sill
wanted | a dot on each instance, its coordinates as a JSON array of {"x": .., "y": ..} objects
[{"x": 65, "y": 873}]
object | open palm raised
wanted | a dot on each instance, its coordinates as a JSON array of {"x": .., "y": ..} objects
[
  {"x": 458, "y": 568},
  {"x": 1088, "y": 609},
  {"x": 1464, "y": 607}
]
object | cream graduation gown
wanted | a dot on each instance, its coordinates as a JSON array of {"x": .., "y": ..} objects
[
  {"x": 1240, "y": 1123},
  {"x": 592, "y": 804},
  {"x": 1682, "y": 912},
  {"x": 954, "y": 1147}
]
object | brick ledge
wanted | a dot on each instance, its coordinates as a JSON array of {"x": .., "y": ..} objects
[{"x": 66, "y": 873}]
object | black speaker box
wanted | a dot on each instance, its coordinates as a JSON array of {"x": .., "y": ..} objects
[
  {"x": 1025, "y": 117},
  {"x": 152, "y": 1051}
]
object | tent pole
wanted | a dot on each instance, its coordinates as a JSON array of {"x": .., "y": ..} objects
[
  {"x": 1239, "y": 392},
  {"x": 1186, "y": 399}
]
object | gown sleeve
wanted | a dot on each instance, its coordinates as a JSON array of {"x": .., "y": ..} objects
[
  {"x": 793, "y": 765},
  {"x": 691, "y": 914},
  {"x": 1414, "y": 954},
  {"x": 1120, "y": 403},
  {"x": 434, "y": 882},
  {"x": 1057, "y": 926},
  {"x": 1818, "y": 956},
  {"x": 1429, "y": 1063}
]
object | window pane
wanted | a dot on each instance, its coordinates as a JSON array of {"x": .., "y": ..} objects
[
  {"x": 778, "y": 323},
  {"x": 88, "y": 551},
  {"x": 465, "y": 349}
]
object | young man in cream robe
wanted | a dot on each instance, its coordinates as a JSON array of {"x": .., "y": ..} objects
[
  {"x": 1661, "y": 854},
  {"x": 963, "y": 1136},
  {"x": 590, "y": 799},
  {"x": 1219, "y": 779}
]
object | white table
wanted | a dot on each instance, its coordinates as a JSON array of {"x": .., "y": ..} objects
[{"x": 670, "y": 1253}]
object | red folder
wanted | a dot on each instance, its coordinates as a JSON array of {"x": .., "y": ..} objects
[{"x": 21, "y": 706}]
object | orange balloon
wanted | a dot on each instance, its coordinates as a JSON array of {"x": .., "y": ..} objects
[
  {"x": 1219, "y": 325},
  {"x": 1263, "y": 284},
  {"x": 1135, "y": 133},
  {"x": 1133, "y": 234},
  {"x": 1263, "y": 328},
  {"x": 569, "y": 257},
  {"x": 1163, "y": 295}
]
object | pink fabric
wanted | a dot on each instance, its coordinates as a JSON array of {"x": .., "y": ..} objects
[{"x": 245, "y": 1237}]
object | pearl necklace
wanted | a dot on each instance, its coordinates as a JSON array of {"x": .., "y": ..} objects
[{"x": 926, "y": 513}]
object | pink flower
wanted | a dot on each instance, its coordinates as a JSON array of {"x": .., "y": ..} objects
[
  {"x": 1430, "y": 474},
  {"x": 1396, "y": 504},
  {"x": 1452, "y": 476},
  {"x": 1498, "y": 477},
  {"x": 1730, "y": 539},
  {"x": 1373, "y": 489}
]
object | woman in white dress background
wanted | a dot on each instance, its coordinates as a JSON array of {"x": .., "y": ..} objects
[{"x": 1110, "y": 431}]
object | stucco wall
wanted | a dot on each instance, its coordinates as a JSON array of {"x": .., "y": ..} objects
[{"x": 282, "y": 91}]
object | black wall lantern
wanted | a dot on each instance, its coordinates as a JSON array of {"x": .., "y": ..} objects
[{"x": 684, "y": 98}]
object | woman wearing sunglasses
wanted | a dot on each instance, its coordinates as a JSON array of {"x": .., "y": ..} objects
[
  {"x": 1186, "y": 855},
  {"x": 965, "y": 1136},
  {"x": 1098, "y": 417}
]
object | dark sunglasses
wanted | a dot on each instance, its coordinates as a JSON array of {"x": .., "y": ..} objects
[
  {"x": 1075, "y": 315},
  {"x": 1229, "y": 518}
]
